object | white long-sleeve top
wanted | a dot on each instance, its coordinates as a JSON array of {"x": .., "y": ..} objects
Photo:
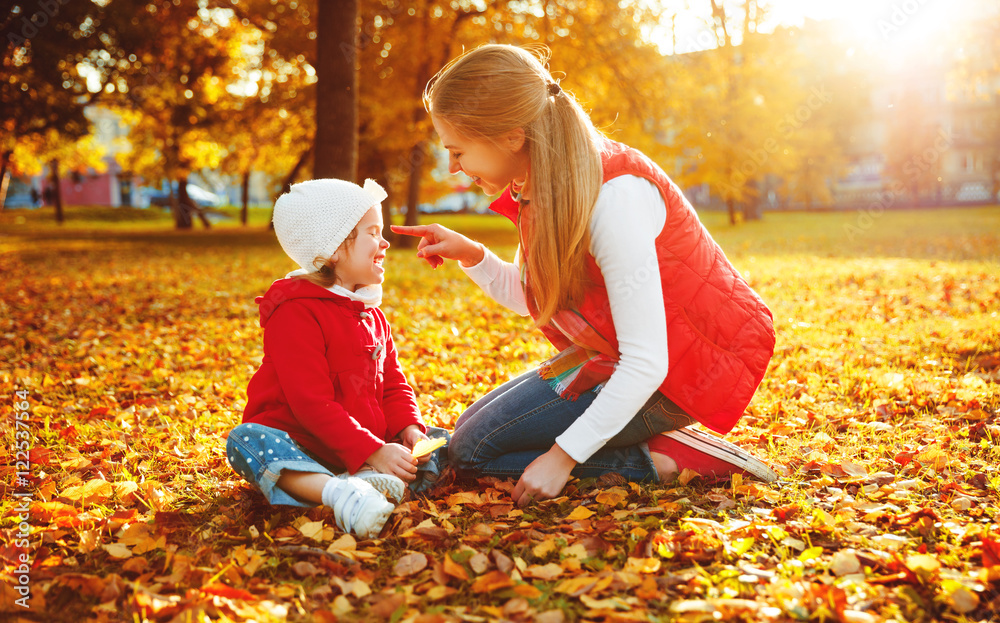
[{"x": 628, "y": 216}]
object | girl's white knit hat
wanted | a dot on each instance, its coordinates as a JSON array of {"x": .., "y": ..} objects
[{"x": 314, "y": 218}]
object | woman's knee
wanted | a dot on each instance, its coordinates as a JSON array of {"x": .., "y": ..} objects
[{"x": 461, "y": 448}]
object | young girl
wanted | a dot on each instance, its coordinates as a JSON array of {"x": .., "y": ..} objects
[
  {"x": 657, "y": 330},
  {"x": 329, "y": 394}
]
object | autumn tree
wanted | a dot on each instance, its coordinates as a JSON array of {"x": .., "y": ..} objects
[
  {"x": 59, "y": 153},
  {"x": 728, "y": 133},
  {"x": 174, "y": 68},
  {"x": 40, "y": 86}
]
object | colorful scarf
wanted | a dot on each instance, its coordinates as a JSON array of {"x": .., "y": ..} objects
[{"x": 586, "y": 359}]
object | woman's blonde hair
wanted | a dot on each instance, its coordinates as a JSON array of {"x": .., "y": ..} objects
[
  {"x": 326, "y": 273},
  {"x": 494, "y": 89}
]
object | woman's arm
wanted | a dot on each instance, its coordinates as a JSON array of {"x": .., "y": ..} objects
[
  {"x": 629, "y": 215},
  {"x": 500, "y": 280}
]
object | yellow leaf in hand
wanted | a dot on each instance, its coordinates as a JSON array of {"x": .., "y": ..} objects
[{"x": 426, "y": 446}]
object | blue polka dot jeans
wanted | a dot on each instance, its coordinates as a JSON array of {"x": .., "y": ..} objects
[{"x": 260, "y": 453}]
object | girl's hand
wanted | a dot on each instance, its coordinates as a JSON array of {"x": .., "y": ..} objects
[
  {"x": 439, "y": 243},
  {"x": 395, "y": 459},
  {"x": 409, "y": 437},
  {"x": 544, "y": 478}
]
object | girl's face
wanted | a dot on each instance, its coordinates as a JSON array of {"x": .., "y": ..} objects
[
  {"x": 490, "y": 165},
  {"x": 359, "y": 261}
]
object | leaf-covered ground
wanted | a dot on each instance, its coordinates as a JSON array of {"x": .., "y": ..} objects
[{"x": 126, "y": 352}]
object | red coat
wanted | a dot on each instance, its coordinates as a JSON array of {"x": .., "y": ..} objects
[
  {"x": 330, "y": 377},
  {"x": 719, "y": 332}
]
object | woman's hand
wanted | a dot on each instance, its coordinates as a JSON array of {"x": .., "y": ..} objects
[
  {"x": 395, "y": 459},
  {"x": 409, "y": 437},
  {"x": 544, "y": 478},
  {"x": 439, "y": 243}
]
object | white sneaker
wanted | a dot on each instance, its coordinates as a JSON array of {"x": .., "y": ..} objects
[
  {"x": 388, "y": 485},
  {"x": 728, "y": 458},
  {"x": 361, "y": 509}
]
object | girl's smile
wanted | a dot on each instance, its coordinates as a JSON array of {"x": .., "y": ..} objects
[{"x": 359, "y": 261}]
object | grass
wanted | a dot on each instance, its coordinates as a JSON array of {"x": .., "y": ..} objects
[{"x": 881, "y": 411}]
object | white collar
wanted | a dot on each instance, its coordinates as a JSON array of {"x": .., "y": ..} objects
[{"x": 371, "y": 295}]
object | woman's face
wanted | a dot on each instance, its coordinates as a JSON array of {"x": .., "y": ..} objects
[{"x": 491, "y": 165}]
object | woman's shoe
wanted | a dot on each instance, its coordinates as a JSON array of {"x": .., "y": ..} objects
[{"x": 708, "y": 455}]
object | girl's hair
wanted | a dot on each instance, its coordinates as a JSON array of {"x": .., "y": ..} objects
[
  {"x": 491, "y": 90},
  {"x": 326, "y": 276}
]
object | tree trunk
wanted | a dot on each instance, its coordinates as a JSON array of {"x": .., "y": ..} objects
[
  {"x": 417, "y": 156},
  {"x": 182, "y": 215},
  {"x": 731, "y": 204},
  {"x": 336, "y": 143},
  {"x": 994, "y": 179},
  {"x": 4, "y": 177},
  {"x": 189, "y": 206},
  {"x": 286, "y": 186},
  {"x": 245, "y": 197},
  {"x": 56, "y": 190}
]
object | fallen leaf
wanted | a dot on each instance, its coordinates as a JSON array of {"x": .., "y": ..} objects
[
  {"x": 492, "y": 581},
  {"x": 580, "y": 512},
  {"x": 409, "y": 564},
  {"x": 544, "y": 572},
  {"x": 304, "y": 569},
  {"x": 117, "y": 550},
  {"x": 612, "y": 497},
  {"x": 845, "y": 562}
]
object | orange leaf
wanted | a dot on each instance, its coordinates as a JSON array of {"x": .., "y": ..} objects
[
  {"x": 94, "y": 491},
  {"x": 527, "y": 591},
  {"x": 687, "y": 475},
  {"x": 991, "y": 552},
  {"x": 492, "y": 581},
  {"x": 223, "y": 590},
  {"x": 454, "y": 569}
]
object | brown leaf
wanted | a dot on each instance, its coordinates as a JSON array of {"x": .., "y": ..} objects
[
  {"x": 502, "y": 561},
  {"x": 550, "y": 616},
  {"x": 544, "y": 572},
  {"x": 304, "y": 569},
  {"x": 384, "y": 608},
  {"x": 409, "y": 564},
  {"x": 479, "y": 563},
  {"x": 516, "y": 606}
]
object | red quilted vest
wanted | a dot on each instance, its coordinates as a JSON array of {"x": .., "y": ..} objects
[{"x": 719, "y": 331}]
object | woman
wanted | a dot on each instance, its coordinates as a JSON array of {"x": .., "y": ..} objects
[{"x": 655, "y": 327}]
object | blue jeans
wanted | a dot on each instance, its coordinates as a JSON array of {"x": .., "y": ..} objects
[
  {"x": 260, "y": 453},
  {"x": 514, "y": 424}
]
